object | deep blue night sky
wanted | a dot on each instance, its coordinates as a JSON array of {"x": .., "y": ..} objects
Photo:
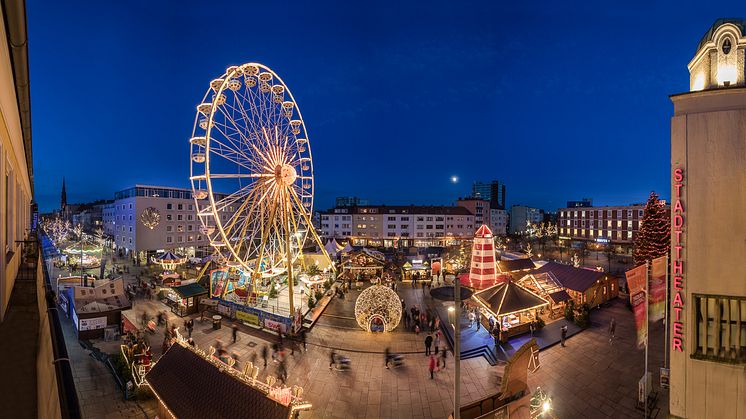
[{"x": 559, "y": 101}]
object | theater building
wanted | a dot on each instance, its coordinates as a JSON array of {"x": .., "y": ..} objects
[{"x": 707, "y": 319}]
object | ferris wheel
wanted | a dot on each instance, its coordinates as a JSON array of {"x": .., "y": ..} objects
[{"x": 252, "y": 171}]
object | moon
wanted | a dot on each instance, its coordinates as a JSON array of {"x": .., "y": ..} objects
[{"x": 454, "y": 179}]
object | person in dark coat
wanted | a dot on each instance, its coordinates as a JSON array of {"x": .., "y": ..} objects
[
  {"x": 265, "y": 354},
  {"x": 428, "y": 343},
  {"x": 563, "y": 335}
]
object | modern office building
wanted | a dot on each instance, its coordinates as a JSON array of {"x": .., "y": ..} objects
[
  {"x": 493, "y": 191},
  {"x": 398, "y": 226},
  {"x": 177, "y": 227},
  {"x": 707, "y": 317},
  {"x": 520, "y": 215},
  {"x": 16, "y": 165}
]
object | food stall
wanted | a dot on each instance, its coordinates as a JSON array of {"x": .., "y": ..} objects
[{"x": 184, "y": 299}]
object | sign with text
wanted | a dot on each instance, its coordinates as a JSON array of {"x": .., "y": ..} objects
[
  {"x": 677, "y": 264},
  {"x": 657, "y": 301},
  {"x": 248, "y": 317},
  {"x": 92, "y": 324},
  {"x": 637, "y": 284}
]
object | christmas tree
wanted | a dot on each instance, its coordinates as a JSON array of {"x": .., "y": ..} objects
[{"x": 654, "y": 235}]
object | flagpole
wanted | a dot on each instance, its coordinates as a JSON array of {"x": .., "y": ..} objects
[{"x": 647, "y": 335}]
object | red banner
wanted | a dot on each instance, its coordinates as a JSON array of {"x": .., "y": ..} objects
[
  {"x": 636, "y": 283},
  {"x": 657, "y": 301}
]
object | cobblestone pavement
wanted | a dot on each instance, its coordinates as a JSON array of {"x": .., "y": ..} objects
[{"x": 590, "y": 378}]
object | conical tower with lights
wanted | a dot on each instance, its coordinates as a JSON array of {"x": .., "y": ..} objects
[{"x": 483, "y": 266}]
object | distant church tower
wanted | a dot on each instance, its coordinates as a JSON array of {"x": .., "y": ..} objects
[{"x": 63, "y": 198}]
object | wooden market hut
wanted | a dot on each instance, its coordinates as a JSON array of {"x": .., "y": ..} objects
[
  {"x": 184, "y": 299},
  {"x": 582, "y": 284},
  {"x": 189, "y": 385},
  {"x": 363, "y": 263},
  {"x": 511, "y": 306}
]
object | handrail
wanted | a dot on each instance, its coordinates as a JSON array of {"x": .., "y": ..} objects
[{"x": 68, "y": 396}]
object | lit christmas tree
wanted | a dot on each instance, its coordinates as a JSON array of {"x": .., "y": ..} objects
[{"x": 654, "y": 236}]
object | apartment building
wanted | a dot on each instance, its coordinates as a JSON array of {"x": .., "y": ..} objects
[
  {"x": 484, "y": 213},
  {"x": 178, "y": 228},
  {"x": 398, "y": 226},
  {"x": 520, "y": 215}
]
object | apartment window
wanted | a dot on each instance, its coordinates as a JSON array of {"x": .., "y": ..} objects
[
  {"x": 438, "y": 218},
  {"x": 169, "y": 228},
  {"x": 180, "y": 207},
  {"x": 420, "y": 218},
  {"x": 180, "y": 217},
  {"x": 419, "y": 227},
  {"x": 169, "y": 206},
  {"x": 199, "y": 237},
  {"x": 130, "y": 206},
  {"x": 168, "y": 217},
  {"x": 392, "y": 234},
  {"x": 190, "y": 217},
  {"x": 190, "y": 227},
  {"x": 180, "y": 229},
  {"x": 608, "y": 213},
  {"x": 391, "y": 218},
  {"x": 640, "y": 213},
  {"x": 629, "y": 213},
  {"x": 439, "y": 226},
  {"x": 404, "y": 219},
  {"x": 130, "y": 229},
  {"x": 419, "y": 235},
  {"x": 392, "y": 226},
  {"x": 720, "y": 328},
  {"x": 582, "y": 223},
  {"x": 190, "y": 238},
  {"x": 180, "y": 239},
  {"x": 429, "y": 227}
]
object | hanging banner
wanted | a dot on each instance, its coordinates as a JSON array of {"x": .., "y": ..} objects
[
  {"x": 636, "y": 279},
  {"x": 657, "y": 301}
]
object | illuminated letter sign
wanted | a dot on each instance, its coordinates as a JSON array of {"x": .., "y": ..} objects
[{"x": 677, "y": 267}]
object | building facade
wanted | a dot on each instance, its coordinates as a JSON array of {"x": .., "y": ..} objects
[
  {"x": 607, "y": 224},
  {"x": 178, "y": 227},
  {"x": 520, "y": 215},
  {"x": 398, "y": 226},
  {"x": 499, "y": 221},
  {"x": 494, "y": 192},
  {"x": 16, "y": 164},
  {"x": 707, "y": 313}
]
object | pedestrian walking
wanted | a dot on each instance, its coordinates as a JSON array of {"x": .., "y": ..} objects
[
  {"x": 531, "y": 328},
  {"x": 437, "y": 341},
  {"x": 234, "y": 332},
  {"x": 428, "y": 343},
  {"x": 563, "y": 335},
  {"x": 190, "y": 326},
  {"x": 471, "y": 319},
  {"x": 282, "y": 372},
  {"x": 387, "y": 357},
  {"x": 431, "y": 366},
  {"x": 443, "y": 355},
  {"x": 303, "y": 339},
  {"x": 332, "y": 358},
  {"x": 264, "y": 355},
  {"x": 612, "y": 329}
]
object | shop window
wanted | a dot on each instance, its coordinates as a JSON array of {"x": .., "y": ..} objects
[{"x": 720, "y": 328}]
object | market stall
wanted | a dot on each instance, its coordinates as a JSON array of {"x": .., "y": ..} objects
[
  {"x": 184, "y": 299},
  {"x": 510, "y": 306}
]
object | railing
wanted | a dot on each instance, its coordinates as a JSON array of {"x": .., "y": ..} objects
[{"x": 68, "y": 396}]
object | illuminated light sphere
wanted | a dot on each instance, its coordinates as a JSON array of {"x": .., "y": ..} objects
[
  {"x": 378, "y": 304},
  {"x": 454, "y": 179},
  {"x": 150, "y": 217}
]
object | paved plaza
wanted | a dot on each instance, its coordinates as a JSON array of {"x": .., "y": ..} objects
[{"x": 589, "y": 378}]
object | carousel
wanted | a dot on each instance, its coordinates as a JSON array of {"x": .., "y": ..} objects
[
  {"x": 169, "y": 261},
  {"x": 510, "y": 306}
]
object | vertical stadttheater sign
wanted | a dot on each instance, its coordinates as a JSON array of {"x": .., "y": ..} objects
[{"x": 679, "y": 279}]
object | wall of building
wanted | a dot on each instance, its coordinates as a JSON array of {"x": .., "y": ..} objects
[
  {"x": 708, "y": 143},
  {"x": 15, "y": 182}
]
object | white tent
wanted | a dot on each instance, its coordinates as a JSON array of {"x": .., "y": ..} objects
[
  {"x": 332, "y": 248},
  {"x": 347, "y": 248}
]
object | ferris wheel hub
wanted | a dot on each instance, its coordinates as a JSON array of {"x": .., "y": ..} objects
[{"x": 286, "y": 174}]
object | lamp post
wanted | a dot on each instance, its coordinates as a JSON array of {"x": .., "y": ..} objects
[{"x": 457, "y": 348}]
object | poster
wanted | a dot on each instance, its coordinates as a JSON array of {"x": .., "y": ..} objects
[
  {"x": 248, "y": 317},
  {"x": 217, "y": 282},
  {"x": 636, "y": 282},
  {"x": 92, "y": 324},
  {"x": 657, "y": 301}
]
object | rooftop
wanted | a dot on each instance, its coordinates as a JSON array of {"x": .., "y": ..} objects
[{"x": 576, "y": 279}]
